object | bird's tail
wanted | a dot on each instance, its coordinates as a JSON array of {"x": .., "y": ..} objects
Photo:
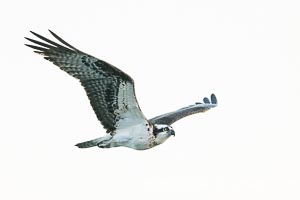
[{"x": 95, "y": 142}]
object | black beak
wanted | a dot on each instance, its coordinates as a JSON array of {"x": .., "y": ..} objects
[{"x": 172, "y": 132}]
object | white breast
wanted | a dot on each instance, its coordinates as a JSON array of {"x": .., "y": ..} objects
[{"x": 136, "y": 137}]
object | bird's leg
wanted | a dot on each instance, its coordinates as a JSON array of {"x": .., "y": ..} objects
[{"x": 105, "y": 142}]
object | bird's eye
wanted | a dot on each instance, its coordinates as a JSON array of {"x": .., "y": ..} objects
[{"x": 166, "y": 129}]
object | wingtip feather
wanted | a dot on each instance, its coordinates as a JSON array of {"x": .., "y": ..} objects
[
  {"x": 34, "y": 33},
  {"x": 51, "y": 31},
  {"x": 206, "y": 100},
  {"x": 213, "y": 99}
]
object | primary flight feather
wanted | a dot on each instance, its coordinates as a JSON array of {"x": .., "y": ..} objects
[{"x": 112, "y": 96}]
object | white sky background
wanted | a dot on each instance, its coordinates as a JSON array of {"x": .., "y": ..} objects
[{"x": 246, "y": 52}]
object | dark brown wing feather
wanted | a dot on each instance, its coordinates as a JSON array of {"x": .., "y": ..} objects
[{"x": 101, "y": 81}]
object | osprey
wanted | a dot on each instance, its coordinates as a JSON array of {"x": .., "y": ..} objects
[{"x": 112, "y": 96}]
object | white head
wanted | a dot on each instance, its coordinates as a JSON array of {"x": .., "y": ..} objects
[{"x": 162, "y": 132}]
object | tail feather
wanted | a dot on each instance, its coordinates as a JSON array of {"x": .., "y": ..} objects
[
  {"x": 88, "y": 144},
  {"x": 95, "y": 142}
]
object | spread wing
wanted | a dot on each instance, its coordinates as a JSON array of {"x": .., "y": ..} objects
[
  {"x": 171, "y": 117},
  {"x": 110, "y": 91}
]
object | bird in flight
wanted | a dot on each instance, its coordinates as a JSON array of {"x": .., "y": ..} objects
[{"x": 112, "y": 96}]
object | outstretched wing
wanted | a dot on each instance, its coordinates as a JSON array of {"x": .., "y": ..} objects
[
  {"x": 110, "y": 91},
  {"x": 171, "y": 117}
]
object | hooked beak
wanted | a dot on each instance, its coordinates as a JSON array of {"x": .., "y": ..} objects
[{"x": 172, "y": 132}]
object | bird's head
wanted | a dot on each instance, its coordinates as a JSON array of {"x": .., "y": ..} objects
[{"x": 162, "y": 132}]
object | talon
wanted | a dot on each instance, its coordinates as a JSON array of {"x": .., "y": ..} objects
[{"x": 100, "y": 146}]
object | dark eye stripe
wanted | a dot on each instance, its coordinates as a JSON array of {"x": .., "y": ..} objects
[{"x": 158, "y": 130}]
